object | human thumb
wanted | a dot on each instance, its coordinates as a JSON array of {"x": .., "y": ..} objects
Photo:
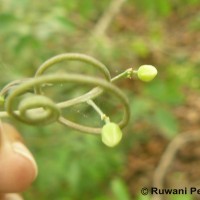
[{"x": 18, "y": 168}]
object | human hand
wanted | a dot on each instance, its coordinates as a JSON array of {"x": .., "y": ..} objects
[{"x": 18, "y": 168}]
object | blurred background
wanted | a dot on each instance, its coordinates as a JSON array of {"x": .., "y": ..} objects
[{"x": 121, "y": 34}]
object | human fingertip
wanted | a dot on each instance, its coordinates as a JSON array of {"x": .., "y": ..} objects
[
  {"x": 23, "y": 151},
  {"x": 11, "y": 196}
]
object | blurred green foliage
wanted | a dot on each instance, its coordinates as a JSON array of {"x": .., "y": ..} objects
[
  {"x": 74, "y": 166},
  {"x": 181, "y": 197}
]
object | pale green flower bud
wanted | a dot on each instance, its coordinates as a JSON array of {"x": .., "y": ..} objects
[
  {"x": 111, "y": 134},
  {"x": 147, "y": 73}
]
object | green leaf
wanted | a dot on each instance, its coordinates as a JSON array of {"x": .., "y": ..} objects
[
  {"x": 165, "y": 91},
  {"x": 140, "y": 106},
  {"x": 140, "y": 47},
  {"x": 73, "y": 175},
  {"x": 143, "y": 197},
  {"x": 181, "y": 197},
  {"x": 120, "y": 190},
  {"x": 166, "y": 122},
  {"x": 6, "y": 20},
  {"x": 66, "y": 23},
  {"x": 102, "y": 198},
  {"x": 24, "y": 43},
  {"x": 163, "y": 7}
]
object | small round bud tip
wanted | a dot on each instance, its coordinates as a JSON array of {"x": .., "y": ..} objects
[
  {"x": 147, "y": 73},
  {"x": 111, "y": 134}
]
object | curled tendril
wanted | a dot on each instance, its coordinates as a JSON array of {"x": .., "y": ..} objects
[
  {"x": 37, "y": 108},
  {"x": 48, "y": 111},
  {"x": 64, "y": 78},
  {"x": 74, "y": 57}
]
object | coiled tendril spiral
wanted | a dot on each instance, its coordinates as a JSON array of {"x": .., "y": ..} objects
[{"x": 37, "y": 108}]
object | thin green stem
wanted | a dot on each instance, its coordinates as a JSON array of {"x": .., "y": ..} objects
[
  {"x": 99, "y": 111},
  {"x": 126, "y": 74},
  {"x": 95, "y": 92},
  {"x": 96, "y": 108}
]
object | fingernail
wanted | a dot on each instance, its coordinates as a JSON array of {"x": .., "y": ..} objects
[{"x": 23, "y": 151}]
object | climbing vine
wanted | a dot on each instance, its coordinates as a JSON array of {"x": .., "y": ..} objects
[{"x": 36, "y": 108}]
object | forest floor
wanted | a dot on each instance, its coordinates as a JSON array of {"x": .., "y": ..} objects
[{"x": 145, "y": 157}]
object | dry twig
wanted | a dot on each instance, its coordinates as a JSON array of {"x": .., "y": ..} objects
[
  {"x": 104, "y": 22},
  {"x": 168, "y": 157}
]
